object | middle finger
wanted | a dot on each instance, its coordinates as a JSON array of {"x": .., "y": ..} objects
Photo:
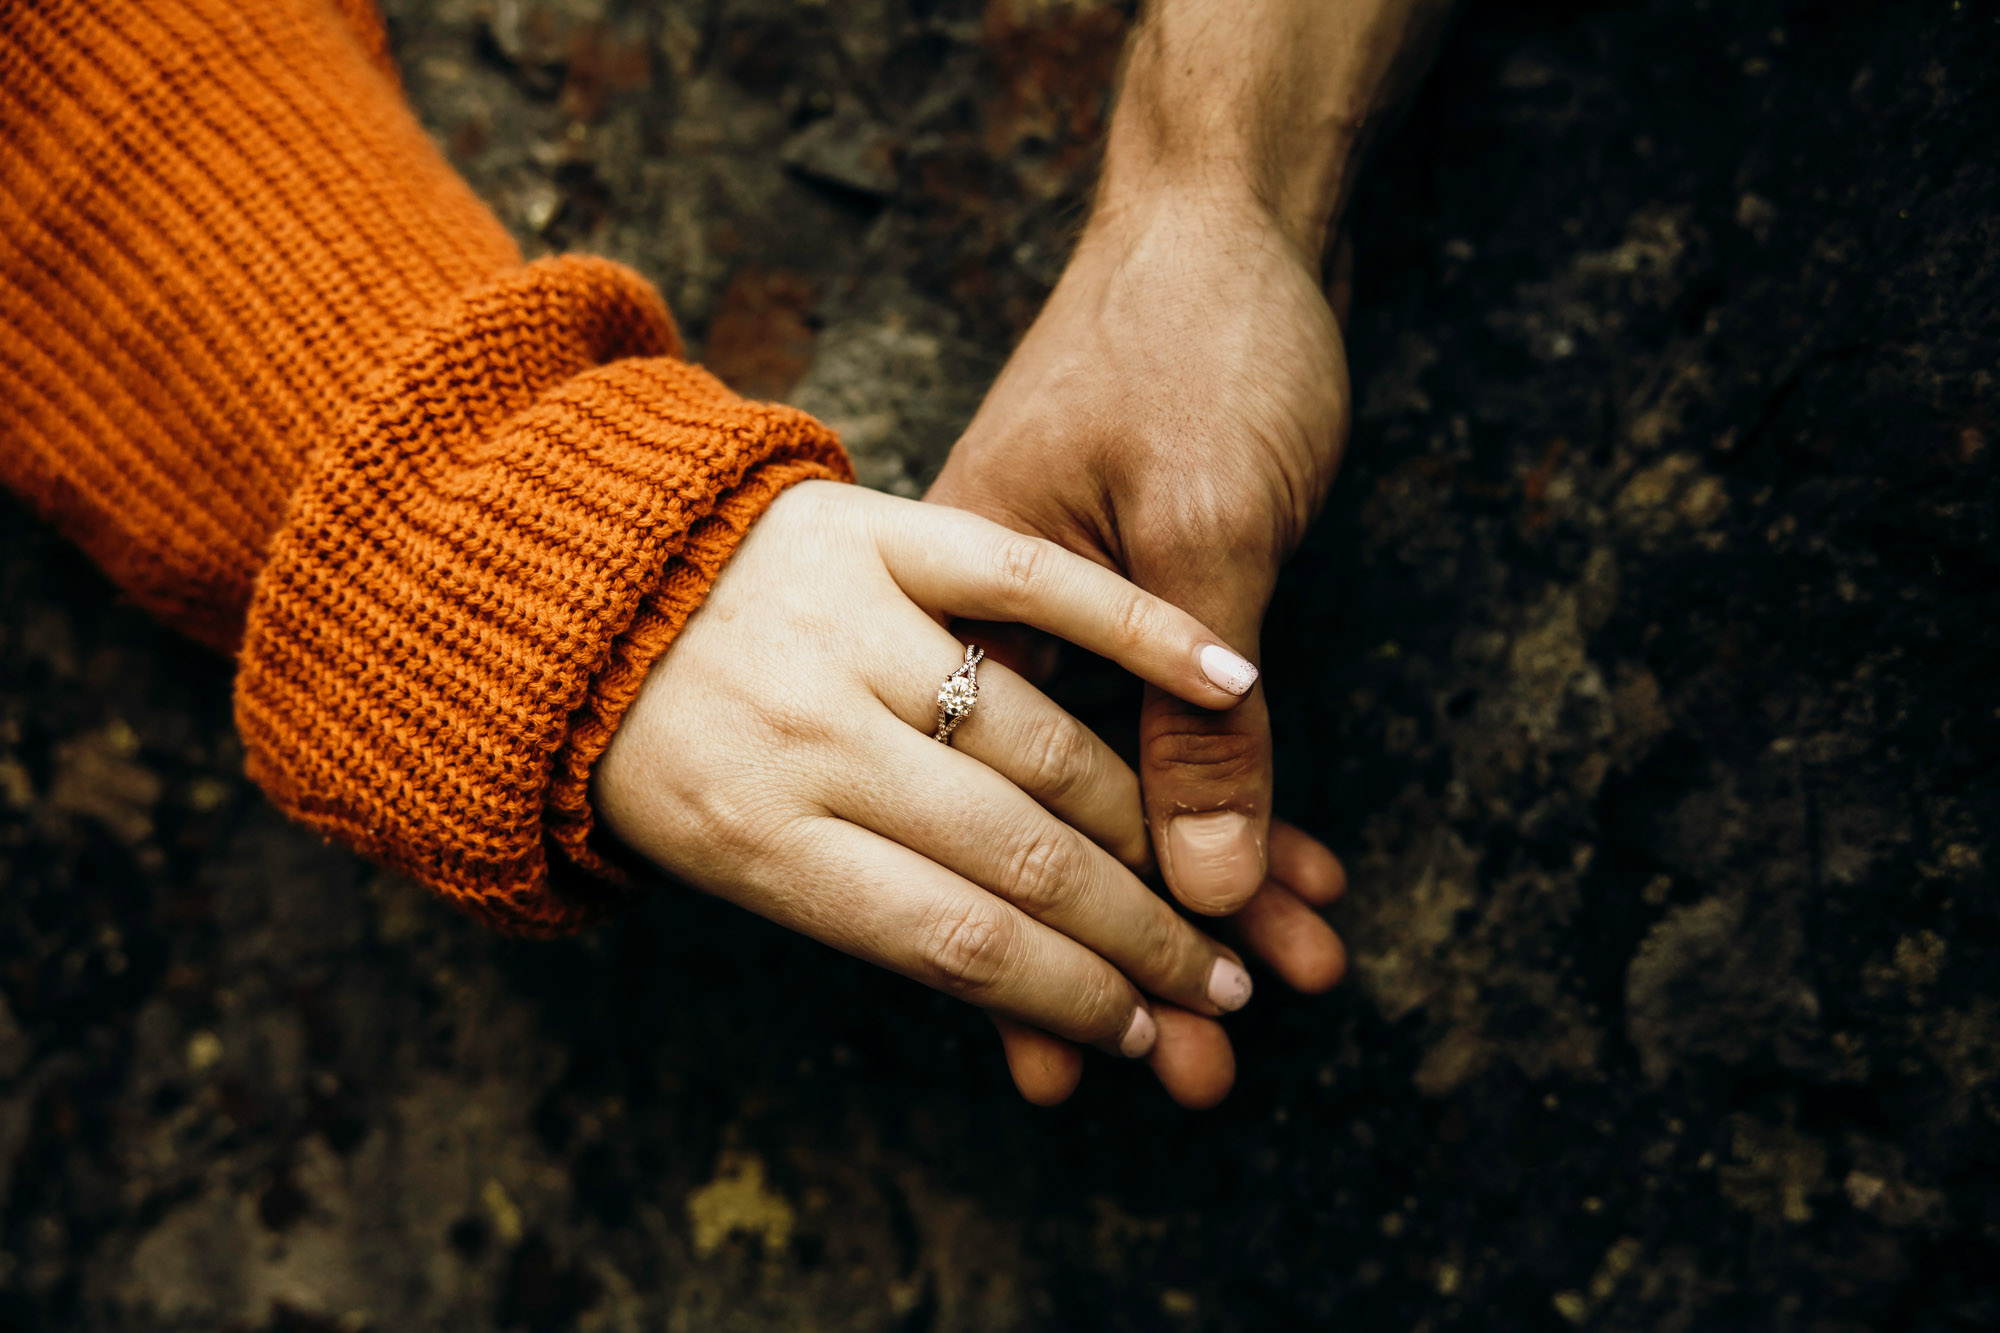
[
  {"x": 1030, "y": 740},
  {"x": 963, "y": 815}
]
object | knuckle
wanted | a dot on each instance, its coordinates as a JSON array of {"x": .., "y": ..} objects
[
  {"x": 1165, "y": 948},
  {"x": 1021, "y": 567},
  {"x": 1104, "y": 1006},
  {"x": 1218, "y": 754},
  {"x": 1041, "y": 872},
  {"x": 1136, "y": 619},
  {"x": 965, "y": 950},
  {"x": 1058, "y": 756}
]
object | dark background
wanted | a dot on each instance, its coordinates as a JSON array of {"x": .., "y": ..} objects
[{"x": 1642, "y": 668}]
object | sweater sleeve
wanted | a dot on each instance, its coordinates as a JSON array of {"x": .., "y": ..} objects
[{"x": 272, "y": 364}]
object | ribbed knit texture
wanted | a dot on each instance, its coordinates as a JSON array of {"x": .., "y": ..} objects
[{"x": 272, "y": 364}]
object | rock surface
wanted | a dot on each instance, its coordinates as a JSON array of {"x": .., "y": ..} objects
[{"x": 1642, "y": 670}]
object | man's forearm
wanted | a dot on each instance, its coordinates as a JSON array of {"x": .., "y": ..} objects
[{"x": 1266, "y": 104}]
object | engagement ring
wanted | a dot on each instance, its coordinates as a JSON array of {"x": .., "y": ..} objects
[{"x": 958, "y": 694}]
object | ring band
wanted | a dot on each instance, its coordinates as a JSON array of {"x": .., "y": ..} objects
[{"x": 958, "y": 694}]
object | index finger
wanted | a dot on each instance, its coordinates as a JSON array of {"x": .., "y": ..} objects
[{"x": 962, "y": 566}]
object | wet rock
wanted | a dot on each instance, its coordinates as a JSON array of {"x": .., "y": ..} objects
[
  {"x": 761, "y": 339},
  {"x": 1640, "y": 670},
  {"x": 15, "y": 1045},
  {"x": 898, "y": 382},
  {"x": 1878, "y": 1184},
  {"x": 846, "y": 150},
  {"x": 1707, "y": 984},
  {"x": 98, "y": 777},
  {"x": 1774, "y": 1172}
]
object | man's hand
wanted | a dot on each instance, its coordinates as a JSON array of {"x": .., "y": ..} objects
[{"x": 1177, "y": 413}]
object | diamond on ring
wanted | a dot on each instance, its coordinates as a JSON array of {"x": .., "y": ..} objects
[{"x": 958, "y": 694}]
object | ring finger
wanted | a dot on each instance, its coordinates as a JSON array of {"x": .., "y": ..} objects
[
  {"x": 1025, "y": 737},
  {"x": 969, "y": 818}
]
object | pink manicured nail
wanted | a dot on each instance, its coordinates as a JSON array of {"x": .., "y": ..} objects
[
  {"x": 1140, "y": 1035},
  {"x": 1227, "y": 670},
  {"x": 1228, "y": 985}
]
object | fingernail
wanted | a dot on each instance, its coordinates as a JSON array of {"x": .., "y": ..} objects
[
  {"x": 1228, "y": 985},
  {"x": 1227, "y": 670},
  {"x": 1140, "y": 1034},
  {"x": 1212, "y": 858}
]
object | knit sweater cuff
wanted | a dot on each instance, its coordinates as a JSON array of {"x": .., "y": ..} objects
[
  {"x": 570, "y": 820},
  {"x": 474, "y": 577}
]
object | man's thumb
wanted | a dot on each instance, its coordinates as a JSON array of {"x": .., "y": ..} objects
[{"x": 1207, "y": 783}]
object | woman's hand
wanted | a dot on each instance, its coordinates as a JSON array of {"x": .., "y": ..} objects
[{"x": 780, "y": 756}]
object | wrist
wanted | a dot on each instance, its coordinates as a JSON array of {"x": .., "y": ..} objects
[
  {"x": 1299, "y": 201},
  {"x": 1128, "y": 207},
  {"x": 1241, "y": 115},
  {"x": 1165, "y": 216}
]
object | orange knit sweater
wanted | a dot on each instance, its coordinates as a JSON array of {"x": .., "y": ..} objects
[{"x": 272, "y": 364}]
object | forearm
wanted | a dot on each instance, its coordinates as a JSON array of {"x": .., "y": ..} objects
[{"x": 1266, "y": 105}]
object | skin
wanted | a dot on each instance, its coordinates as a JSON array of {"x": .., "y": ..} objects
[
  {"x": 780, "y": 756},
  {"x": 1171, "y": 423},
  {"x": 1177, "y": 413}
]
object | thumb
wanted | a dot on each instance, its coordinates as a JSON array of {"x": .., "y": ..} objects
[
  {"x": 1207, "y": 784},
  {"x": 1206, "y": 775}
]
